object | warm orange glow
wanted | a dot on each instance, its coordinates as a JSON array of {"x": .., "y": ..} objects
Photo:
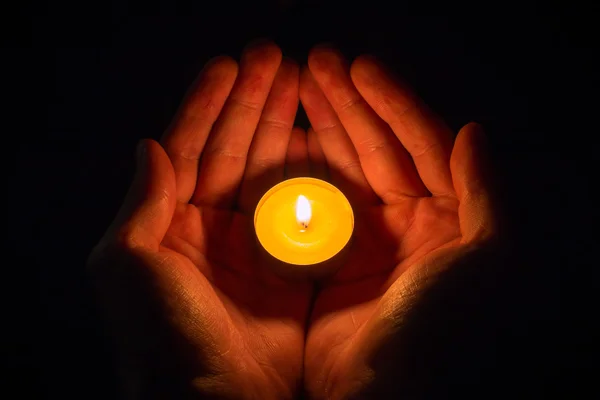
[{"x": 303, "y": 221}]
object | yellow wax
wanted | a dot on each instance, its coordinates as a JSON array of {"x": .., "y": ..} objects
[{"x": 328, "y": 231}]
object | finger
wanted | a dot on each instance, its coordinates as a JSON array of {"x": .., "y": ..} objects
[
  {"x": 427, "y": 139},
  {"x": 386, "y": 164},
  {"x": 344, "y": 166},
  {"x": 148, "y": 208},
  {"x": 185, "y": 139},
  {"x": 224, "y": 158},
  {"x": 296, "y": 159},
  {"x": 470, "y": 175},
  {"x": 316, "y": 157},
  {"x": 266, "y": 157}
]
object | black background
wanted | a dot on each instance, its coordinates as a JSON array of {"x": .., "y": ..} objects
[{"x": 104, "y": 79}]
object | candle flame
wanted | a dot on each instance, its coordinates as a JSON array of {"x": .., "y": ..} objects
[{"x": 303, "y": 211}]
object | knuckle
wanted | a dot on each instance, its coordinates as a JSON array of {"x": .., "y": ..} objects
[
  {"x": 400, "y": 110},
  {"x": 227, "y": 153},
  {"x": 245, "y": 104},
  {"x": 371, "y": 146},
  {"x": 349, "y": 164},
  {"x": 333, "y": 128},
  {"x": 277, "y": 124},
  {"x": 424, "y": 148},
  {"x": 201, "y": 106},
  {"x": 350, "y": 103},
  {"x": 266, "y": 162},
  {"x": 189, "y": 153}
]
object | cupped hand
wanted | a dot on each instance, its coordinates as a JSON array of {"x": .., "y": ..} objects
[
  {"x": 422, "y": 203},
  {"x": 194, "y": 312}
]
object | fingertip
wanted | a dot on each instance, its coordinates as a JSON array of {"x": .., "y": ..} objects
[
  {"x": 147, "y": 142},
  {"x": 297, "y": 139},
  {"x": 369, "y": 62},
  {"x": 222, "y": 69},
  {"x": 362, "y": 69},
  {"x": 322, "y": 58},
  {"x": 221, "y": 63},
  {"x": 368, "y": 70},
  {"x": 297, "y": 130},
  {"x": 468, "y": 160},
  {"x": 365, "y": 60},
  {"x": 297, "y": 142},
  {"x": 473, "y": 181},
  {"x": 317, "y": 59},
  {"x": 262, "y": 51},
  {"x": 476, "y": 129},
  {"x": 470, "y": 136},
  {"x": 289, "y": 69},
  {"x": 473, "y": 126}
]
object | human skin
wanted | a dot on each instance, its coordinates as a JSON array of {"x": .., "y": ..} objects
[
  {"x": 195, "y": 311},
  {"x": 422, "y": 205}
]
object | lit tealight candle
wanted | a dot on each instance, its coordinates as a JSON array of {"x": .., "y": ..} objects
[{"x": 303, "y": 221}]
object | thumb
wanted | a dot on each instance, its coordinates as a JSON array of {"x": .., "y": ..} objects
[
  {"x": 470, "y": 169},
  {"x": 148, "y": 208}
]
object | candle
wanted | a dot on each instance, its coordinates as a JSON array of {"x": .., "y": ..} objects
[{"x": 303, "y": 221}]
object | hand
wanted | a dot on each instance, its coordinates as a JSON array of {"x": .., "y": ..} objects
[
  {"x": 191, "y": 306},
  {"x": 422, "y": 204}
]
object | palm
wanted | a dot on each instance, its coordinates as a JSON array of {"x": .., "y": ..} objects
[
  {"x": 257, "y": 319},
  {"x": 391, "y": 237},
  {"x": 420, "y": 227}
]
